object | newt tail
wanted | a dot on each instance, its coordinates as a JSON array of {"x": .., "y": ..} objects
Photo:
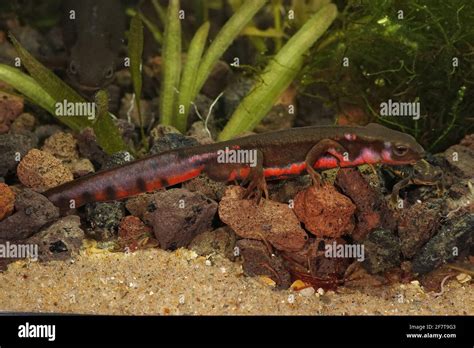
[{"x": 256, "y": 158}]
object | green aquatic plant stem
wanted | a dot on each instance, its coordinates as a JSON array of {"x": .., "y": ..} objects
[
  {"x": 171, "y": 63},
  {"x": 278, "y": 74},
  {"x": 188, "y": 79},
  {"x": 224, "y": 39}
]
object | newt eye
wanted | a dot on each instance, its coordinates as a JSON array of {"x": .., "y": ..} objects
[
  {"x": 109, "y": 73},
  {"x": 400, "y": 150},
  {"x": 73, "y": 67}
]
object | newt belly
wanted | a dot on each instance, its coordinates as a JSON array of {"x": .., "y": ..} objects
[{"x": 256, "y": 158}]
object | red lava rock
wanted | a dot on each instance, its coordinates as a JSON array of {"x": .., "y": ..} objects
[
  {"x": 258, "y": 261},
  {"x": 40, "y": 171},
  {"x": 179, "y": 216},
  {"x": 33, "y": 211},
  {"x": 7, "y": 201},
  {"x": 416, "y": 226},
  {"x": 10, "y": 108},
  {"x": 271, "y": 221},
  {"x": 371, "y": 209},
  {"x": 324, "y": 211},
  {"x": 133, "y": 233}
]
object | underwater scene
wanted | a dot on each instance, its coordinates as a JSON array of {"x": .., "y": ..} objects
[{"x": 237, "y": 157}]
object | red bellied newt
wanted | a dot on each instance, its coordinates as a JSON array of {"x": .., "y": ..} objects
[{"x": 255, "y": 158}]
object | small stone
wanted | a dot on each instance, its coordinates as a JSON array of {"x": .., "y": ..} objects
[
  {"x": 382, "y": 251},
  {"x": 220, "y": 241},
  {"x": 324, "y": 211},
  {"x": 40, "y": 171},
  {"x": 321, "y": 291},
  {"x": 80, "y": 167},
  {"x": 43, "y": 132},
  {"x": 372, "y": 211},
  {"x": 60, "y": 241},
  {"x": 61, "y": 145},
  {"x": 259, "y": 262},
  {"x": 24, "y": 122},
  {"x": 463, "y": 278},
  {"x": 7, "y": 201},
  {"x": 210, "y": 188},
  {"x": 454, "y": 237},
  {"x": 89, "y": 148},
  {"x": 161, "y": 130},
  {"x": 172, "y": 141},
  {"x": 307, "y": 292},
  {"x": 104, "y": 218},
  {"x": 271, "y": 221},
  {"x": 298, "y": 285},
  {"x": 12, "y": 149},
  {"x": 140, "y": 204},
  {"x": 33, "y": 211},
  {"x": 199, "y": 132},
  {"x": 180, "y": 215},
  {"x": 117, "y": 159},
  {"x": 10, "y": 108},
  {"x": 133, "y": 233}
]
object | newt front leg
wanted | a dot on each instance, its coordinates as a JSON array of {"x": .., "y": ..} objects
[{"x": 325, "y": 146}]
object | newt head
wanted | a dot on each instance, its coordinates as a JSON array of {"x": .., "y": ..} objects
[
  {"x": 92, "y": 68},
  {"x": 377, "y": 144}
]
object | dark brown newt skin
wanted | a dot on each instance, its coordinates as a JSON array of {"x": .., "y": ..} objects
[
  {"x": 93, "y": 39},
  {"x": 280, "y": 155}
]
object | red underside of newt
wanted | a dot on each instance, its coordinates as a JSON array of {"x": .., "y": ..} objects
[{"x": 275, "y": 155}]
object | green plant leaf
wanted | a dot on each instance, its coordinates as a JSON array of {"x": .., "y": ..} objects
[
  {"x": 171, "y": 63},
  {"x": 278, "y": 74},
  {"x": 107, "y": 134},
  {"x": 188, "y": 80},
  {"x": 224, "y": 39},
  {"x": 28, "y": 87},
  {"x": 155, "y": 31}
]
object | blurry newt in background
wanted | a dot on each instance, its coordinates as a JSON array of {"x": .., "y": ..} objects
[
  {"x": 278, "y": 155},
  {"x": 93, "y": 33}
]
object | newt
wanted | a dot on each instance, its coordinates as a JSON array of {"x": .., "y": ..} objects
[
  {"x": 93, "y": 33},
  {"x": 278, "y": 155}
]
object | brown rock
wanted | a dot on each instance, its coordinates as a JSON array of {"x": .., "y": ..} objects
[
  {"x": 60, "y": 241},
  {"x": 139, "y": 205},
  {"x": 61, "y": 145},
  {"x": 7, "y": 201},
  {"x": 210, "y": 188},
  {"x": 80, "y": 167},
  {"x": 416, "y": 226},
  {"x": 371, "y": 209},
  {"x": 324, "y": 211},
  {"x": 461, "y": 160},
  {"x": 179, "y": 216},
  {"x": 33, "y": 211},
  {"x": 258, "y": 261},
  {"x": 220, "y": 241},
  {"x": 24, "y": 122},
  {"x": 271, "y": 221},
  {"x": 133, "y": 233},
  {"x": 10, "y": 108},
  {"x": 40, "y": 171}
]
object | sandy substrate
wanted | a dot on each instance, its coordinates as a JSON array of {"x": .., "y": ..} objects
[{"x": 159, "y": 282}]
